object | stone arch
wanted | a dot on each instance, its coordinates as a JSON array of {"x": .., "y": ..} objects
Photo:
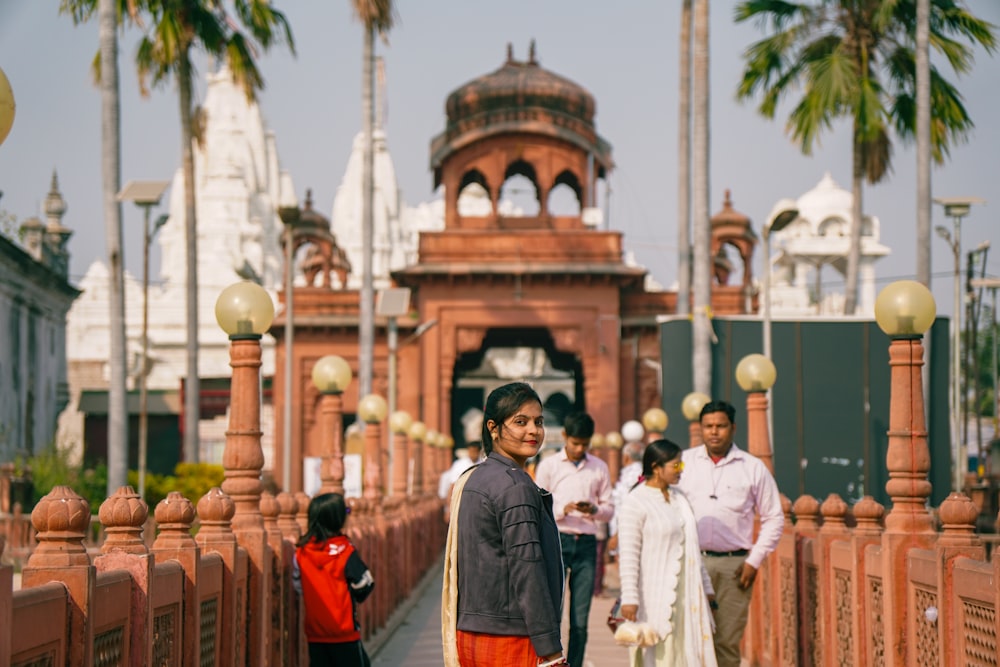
[
  {"x": 528, "y": 175},
  {"x": 565, "y": 187}
]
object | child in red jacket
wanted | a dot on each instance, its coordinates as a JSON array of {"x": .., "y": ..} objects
[{"x": 332, "y": 579}]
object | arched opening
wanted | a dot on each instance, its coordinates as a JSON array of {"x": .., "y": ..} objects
[
  {"x": 519, "y": 193},
  {"x": 518, "y": 354},
  {"x": 474, "y": 195},
  {"x": 566, "y": 195}
]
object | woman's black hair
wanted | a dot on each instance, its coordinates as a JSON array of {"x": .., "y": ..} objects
[
  {"x": 657, "y": 453},
  {"x": 502, "y": 403},
  {"x": 327, "y": 514}
]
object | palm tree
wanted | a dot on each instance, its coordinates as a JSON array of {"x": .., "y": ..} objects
[
  {"x": 855, "y": 59},
  {"x": 376, "y": 15},
  {"x": 172, "y": 30},
  {"x": 923, "y": 136},
  {"x": 684, "y": 167},
  {"x": 111, "y": 179},
  {"x": 105, "y": 72},
  {"x": 701, "y": 280}
]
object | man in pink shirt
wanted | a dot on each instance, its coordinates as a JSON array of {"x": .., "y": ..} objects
[
  {"x": 581, "y": 498},
  {"x": 726, "y": 487}
]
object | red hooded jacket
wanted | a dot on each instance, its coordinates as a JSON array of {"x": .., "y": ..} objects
[{"x": 332, "y": 579}]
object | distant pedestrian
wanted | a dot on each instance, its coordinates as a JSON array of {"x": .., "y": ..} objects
[
  {"x": 664, "y": 583},
  {"x": 332, "y": 579},
  {"x": 581, "y": 498},
  {"x": 727, "y": 487},
  {"x": 501, "y": 603}
]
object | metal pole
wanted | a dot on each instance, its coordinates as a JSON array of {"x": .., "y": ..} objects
[
  {"x": 393, "y": 337},
  {"x": 143, "y": 394},
  {"x": 956, "y": 358},
  {"x": 286, "y": 425},
  {"x": 767, "y": 322}
]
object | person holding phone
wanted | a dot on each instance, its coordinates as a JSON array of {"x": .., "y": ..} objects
[{"x": 580, "y": 485}]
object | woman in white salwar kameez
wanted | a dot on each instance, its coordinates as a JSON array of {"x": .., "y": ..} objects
[{"x": 663, "y": 581}]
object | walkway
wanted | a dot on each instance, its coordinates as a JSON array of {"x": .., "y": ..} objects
[{"x": 416, "y": 641}]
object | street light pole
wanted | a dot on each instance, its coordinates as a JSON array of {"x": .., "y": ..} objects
[
  {"x": 392, "y": 302},
  {"x": 956, "y": 208},
  {"x": 782, "y": 214},
  {"x": 146, "y": 195}
]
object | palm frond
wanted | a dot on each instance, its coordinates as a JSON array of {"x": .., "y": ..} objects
[{"x": 379, "y": 15}]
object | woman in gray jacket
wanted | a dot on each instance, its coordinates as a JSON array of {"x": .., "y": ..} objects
[{"x": 506, "y": 546}]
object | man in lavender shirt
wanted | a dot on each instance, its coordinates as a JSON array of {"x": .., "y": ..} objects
[
  {"x": 581, "y": 498},
  {"x": 726, "y": 487}
]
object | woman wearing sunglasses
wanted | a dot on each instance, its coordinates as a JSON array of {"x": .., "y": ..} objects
[{"x": 664, "y": 584}]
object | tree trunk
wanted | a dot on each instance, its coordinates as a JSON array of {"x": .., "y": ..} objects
[
  {"x": 192, "y": 387},
  {"x": 366, "y": 328},
  {"x": 701, "y": 281},
  {"x": 854, "y": 248},
  {"x": 923, "y": 143},
  {"x": 684, "y": 167},
  {"x": 111, "y": 182}
]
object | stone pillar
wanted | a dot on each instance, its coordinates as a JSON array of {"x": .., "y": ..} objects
[
  {"x": 288, "y": 507},
  {"x": 302, "y": 513},
  {"x": 958, "y": 539},
  {"x": 123, "y": 515},
  {"x": 401, "y": 463},
  {"x": 694, "y": 433},
  {"x": 215, "y": 512},
  {"x": 758, "y": 440},
  {"x": 62, "y": 518},
  {"x": 174, "y": 516},
  {"x": 281, "y": 579},
  {"x": 243, "y": 460},
  {"x": 806, "y": 510},
  {"x": 868, "y": 532},
  {"x": 834, "y": 529},
  {"x": 908, "y": 524},
  {"x": 332, "y": 430}
]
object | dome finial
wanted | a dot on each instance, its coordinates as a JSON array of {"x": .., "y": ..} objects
[
  {"x": 510, "y": 52},
  {"x": 531, "y": 53},
  {"x": 309, "y": 199}
]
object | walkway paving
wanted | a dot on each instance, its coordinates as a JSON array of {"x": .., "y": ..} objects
[{"x": 415, "y": 638}]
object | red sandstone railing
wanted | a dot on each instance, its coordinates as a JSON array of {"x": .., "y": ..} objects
[
  {"x": 188, "y": 599},
  {"x": 823, "y": 597}
]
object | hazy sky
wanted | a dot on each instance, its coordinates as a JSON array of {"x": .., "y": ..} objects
[{"x": 625, "y": 53}]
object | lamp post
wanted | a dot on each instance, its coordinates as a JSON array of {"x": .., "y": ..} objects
[
  {"x": 956, "y": 208},
  {"x": 418, "y": 434},
  {"x": 400, "y": 422},
  {"x": 756, "y": 375},
  {"x": 782, "y": 214},
  {"x": 391, "y": 303},
  {"x": 691, "y": 406},
  {"x": 146, "y": 195},
  {"x": 245, "y": 312},
  {"x": 655, "y": 422},
  {"x": 7, "y": 106},
  {"x": 372, "y": 410},
  {"x": 904, "y": 310},
  {"x": 331, "y": 375}
]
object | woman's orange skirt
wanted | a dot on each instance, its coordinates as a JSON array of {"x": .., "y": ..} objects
[{"x": 476, "y": 649}]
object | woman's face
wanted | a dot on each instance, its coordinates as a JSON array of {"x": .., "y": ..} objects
[
  {"x": 521, "y": 435},
  {"x": 670, "y": 472}
]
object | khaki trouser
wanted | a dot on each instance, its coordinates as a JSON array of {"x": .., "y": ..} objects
[{"x": 734, "y": 605}]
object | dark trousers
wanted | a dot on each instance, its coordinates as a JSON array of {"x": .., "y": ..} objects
[
  {"x": 579, "y": 554},
  {"x": 344, "y": 654}
]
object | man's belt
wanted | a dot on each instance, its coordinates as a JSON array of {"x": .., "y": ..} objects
[{"x": 725, "y": 554}]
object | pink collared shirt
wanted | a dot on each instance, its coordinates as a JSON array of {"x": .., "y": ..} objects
[
  {"x": 568, "y": 483},
  {"x": 726, "y": 495}
]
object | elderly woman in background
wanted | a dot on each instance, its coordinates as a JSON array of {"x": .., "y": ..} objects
[
  {"x": 663, "y": 581},
  {"x": 503, "y": 580}
]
